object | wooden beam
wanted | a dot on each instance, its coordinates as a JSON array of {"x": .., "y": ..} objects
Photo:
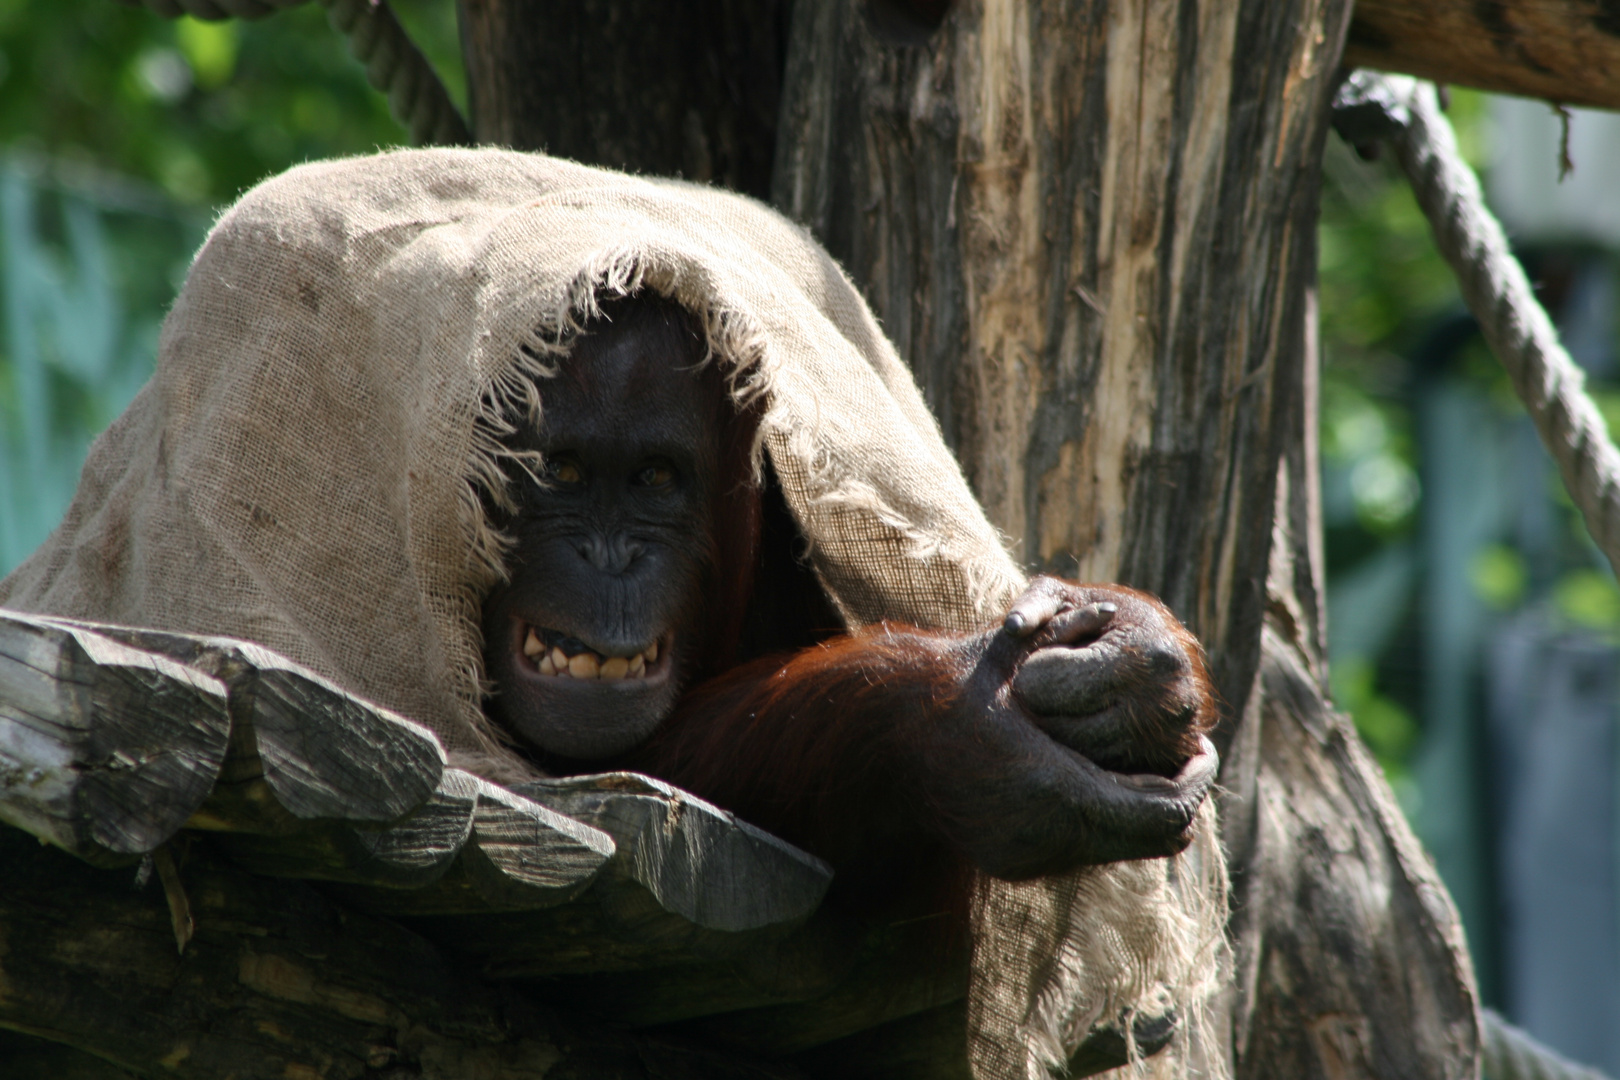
[
  {"x": 105, "y": 750},
  {"x": 280, "y": 982},
  {"x": 612, "y": 898},
  {"x": 1565, "y": 51}
]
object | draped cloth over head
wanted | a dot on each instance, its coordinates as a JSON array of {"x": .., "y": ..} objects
[{"x": 304, "y": 468}]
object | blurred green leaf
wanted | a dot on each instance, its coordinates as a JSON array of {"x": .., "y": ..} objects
[
  {"x": 210, "y": 49},
  {"x": 1588, "y": 598},
  {"x": 1386, "y": 728},
  {"x": 202, "y": 110},
  {"x": 1500, "y": 577}
]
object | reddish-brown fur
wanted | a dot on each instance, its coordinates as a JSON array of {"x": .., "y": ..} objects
[{"x": 860, "y": 749}]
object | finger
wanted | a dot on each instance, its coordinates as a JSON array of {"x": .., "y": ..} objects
[
  {"x": 1144, "y": 810},
  {"x": 1032, "y": 611},
  {"x": 1111, "y": 816},
  {"x": 1189, "y": 785},
  {"x": 1082, "y": 622}
]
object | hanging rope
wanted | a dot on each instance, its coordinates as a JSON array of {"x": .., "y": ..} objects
[
  {"x": 1370, "y": 108},
  {"x": 395, "y": 66},
  {"x": 1552, "y": 387},
  {"x": 393, "y": 63}
]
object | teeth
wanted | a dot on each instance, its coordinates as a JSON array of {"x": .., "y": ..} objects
[{"x": 587, "y": 664}]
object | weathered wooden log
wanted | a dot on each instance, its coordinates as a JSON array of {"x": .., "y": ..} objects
[
  {"x": 899, "y": 970},
  {"x": 316, "y": 783},
  {"x": 686, "y": 883},
  {"x": 105, "y": 750},
  {"x": 278, "y": 983},
  {"x": 302, "y": 748},
  {"x": 698, "y": 861},
  {"x": 685, "y": 89},
  {"x": 1566, "y": 51},
  {"x": 924, "y": 1047},
  {"x": 510, "y": 853}
]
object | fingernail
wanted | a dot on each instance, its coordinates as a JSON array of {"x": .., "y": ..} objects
[
  {"x": 1107, "y": 607},
  {"x": 1014, "y": 623}
]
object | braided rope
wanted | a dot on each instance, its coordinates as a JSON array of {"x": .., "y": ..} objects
[
  {"x": 395, "y": 66},
  {"x": 1515, "y": 326},
  {"x": 1372, "y": 107},
  {"x": 393, "y": 63},
  {"x": 1512, "y": 1054}
]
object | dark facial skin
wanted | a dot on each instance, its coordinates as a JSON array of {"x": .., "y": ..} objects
[{"x": 613, "y": 552}]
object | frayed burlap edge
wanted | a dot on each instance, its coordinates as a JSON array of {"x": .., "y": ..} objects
[
  {"x": 751, "y": 376},
  {"x": 1057, "y": 957}
]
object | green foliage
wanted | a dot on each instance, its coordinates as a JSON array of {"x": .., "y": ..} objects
[
  {"x": 1589, "y": 599},
  {"x": 1381, "y": 284},
  {"x": 1500, "y": 577},
  {"x": 201, "y": 110},
  {"x": 1383, "y": 288},
  {"x": 1387, "y": 728},
  {"x": 120, "y": 134},
  {"x": 82, "y": 291}
]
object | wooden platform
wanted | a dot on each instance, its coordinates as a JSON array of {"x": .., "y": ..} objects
[{"x": 339, "y": 894}]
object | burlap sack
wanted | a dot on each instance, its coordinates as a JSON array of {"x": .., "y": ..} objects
[{"x": 302, "y": 471}]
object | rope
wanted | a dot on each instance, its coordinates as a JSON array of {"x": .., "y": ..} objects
[
  {"x": 393, "y": 63},
  {"x": 1494, "y": 287},
  {"x": 1510, "y": 1053},
  {"x": 1370, "y": 108}
]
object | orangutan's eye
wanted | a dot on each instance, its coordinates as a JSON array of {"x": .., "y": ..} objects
[
  {"x": 564, "y": 471},
  {"x": 655, "y": 476}
]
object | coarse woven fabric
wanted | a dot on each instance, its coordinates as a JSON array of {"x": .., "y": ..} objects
[{"x": 303, "y": 470}]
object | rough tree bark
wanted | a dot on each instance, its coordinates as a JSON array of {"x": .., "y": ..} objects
[
  {"x": 1090, "y": 229},
  {"x": 1562, "y": 50},
  {"x": 686, "y": 89}
]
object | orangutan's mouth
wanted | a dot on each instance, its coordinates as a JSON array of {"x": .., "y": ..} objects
[{"x": 553, "y": 654}]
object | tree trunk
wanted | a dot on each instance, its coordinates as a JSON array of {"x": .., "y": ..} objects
[
  {"x": 1090, "y": 231},
  {"x": 1090, "y": 228},
  {"x": 687, "y": 89}
]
